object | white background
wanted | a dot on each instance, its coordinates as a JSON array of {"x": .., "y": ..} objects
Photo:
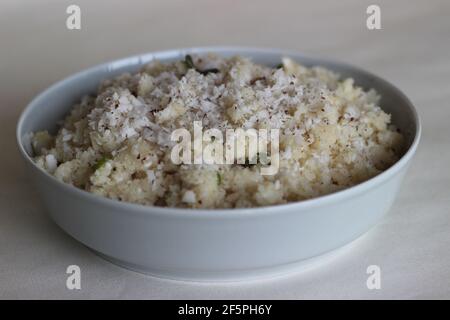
[{"x": 411, "y": 245}]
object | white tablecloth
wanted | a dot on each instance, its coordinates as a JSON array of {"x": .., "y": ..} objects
[{"x": 412, "y": 50}]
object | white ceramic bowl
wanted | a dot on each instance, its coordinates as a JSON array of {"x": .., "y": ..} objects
[{"x": 213, "y": 244}]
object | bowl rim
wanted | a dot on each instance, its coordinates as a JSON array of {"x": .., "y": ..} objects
[{"x": 222, "y": 212}]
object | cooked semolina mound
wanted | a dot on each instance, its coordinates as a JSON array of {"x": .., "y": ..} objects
[{"x": 117, "y": 144}]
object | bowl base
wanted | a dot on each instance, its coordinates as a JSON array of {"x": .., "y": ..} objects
[{"x": 235, "y": 275}]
